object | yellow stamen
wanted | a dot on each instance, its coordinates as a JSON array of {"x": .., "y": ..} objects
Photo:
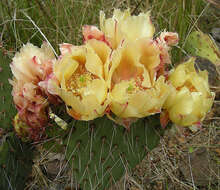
[{"x": 79, "y": 80}]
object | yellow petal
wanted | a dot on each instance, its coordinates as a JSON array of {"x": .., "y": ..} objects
[
  {"x": 139, "y": 103},
  {"x": 70, "y": 68},
  {"x": 94, "y": 64},
  {"x": 200, "y": 84},
  {"x": 150, "y": 56},
  {"x": 103, "y": 51},
  {"x": 135, "y": 27},
  {"x": 126, "y": 65},
  {"x": 122, "y": 26},
  {"x": 97, "y": 88},
  {"x": 90, "y": 106},
  {"x": 178, "y": 78},
  {"x": 183, "y": 103},
  {"x": 65, "y": 67}
]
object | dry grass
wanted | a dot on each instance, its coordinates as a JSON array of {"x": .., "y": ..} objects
[{"x": 162, "y": 169}]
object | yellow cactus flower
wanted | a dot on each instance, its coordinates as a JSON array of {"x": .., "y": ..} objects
[
  {"x": 190, "y": 98},
  {"x": 123, "y": 26},
  {"x": 135, "y": 89},
  {"x": 81, "y": 79}
]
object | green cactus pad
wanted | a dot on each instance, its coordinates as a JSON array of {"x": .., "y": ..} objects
[
  {"x": 7, "y": 109},
  {"x": 200, "y": 44},
  {"x": 15, "y": 162},
  {"x": 100, "y": 152}
]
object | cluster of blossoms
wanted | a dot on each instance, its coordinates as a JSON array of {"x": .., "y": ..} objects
[{"x": 120, "y": 71}]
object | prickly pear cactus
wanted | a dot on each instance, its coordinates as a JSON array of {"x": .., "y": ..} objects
[
  {"x": 15, "y": 156},
  {"x": 100, "y": 152},
  {"x": 200, "y": 44},
  {"x": 7, "y": 109}
]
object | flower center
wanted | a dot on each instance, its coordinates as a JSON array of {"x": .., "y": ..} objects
[
  {"x": 135, "y": 85},
  {"x": 79, "y": 80},
  {"x": 189, "y": 86}
]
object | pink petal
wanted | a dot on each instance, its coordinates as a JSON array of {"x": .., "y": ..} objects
[
  {"x": 170, "y": 38},
  {"x": 65, "y": 48},
  {"x": 92, "y": 32}
]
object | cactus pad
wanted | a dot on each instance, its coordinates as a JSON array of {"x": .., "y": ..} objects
[
  {"x": 100, "y": 152},
  {"x": 200, "y": 44},
  {"x": 15, "y": 162},
  {"x": 7, "y": 109}
]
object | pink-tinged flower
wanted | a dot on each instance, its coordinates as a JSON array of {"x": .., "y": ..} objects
[
  {"x": 164, "y": 42},
  {"x": 135, "y": 91},
  {"x": 168, "y": 38},
  {"x": 190, "y": 98},
  {"x": 25, "y": 132},
  {"x": 80, "y": 79},
  {"x": 32, "y": 64},
  {"x": 31, "y": 106},
  {"x": 30, "y": 67}
]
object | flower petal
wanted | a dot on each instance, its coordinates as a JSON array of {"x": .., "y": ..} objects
[{"x": 122, "y": 26}]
